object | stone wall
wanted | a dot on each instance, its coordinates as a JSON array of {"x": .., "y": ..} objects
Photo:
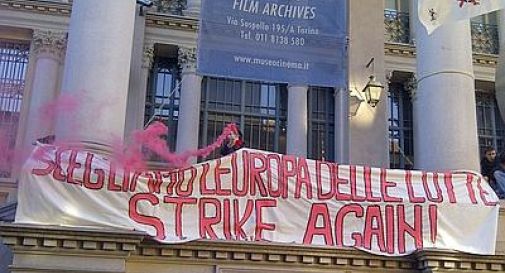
[{"x": 51, "y": 249}]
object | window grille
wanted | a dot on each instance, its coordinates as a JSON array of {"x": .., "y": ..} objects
[
  {"x": 397, "y": 26},
  {"x": 13, "y": 66},
  {"x": 259, "y": 109},
  {"x": 401, "y": 144},
  {"x": 490, "y": 125},
  {"x": 485, "y": 38},
  {"x": 321, "y": 121},
  {"x": 163, "y": 79}
]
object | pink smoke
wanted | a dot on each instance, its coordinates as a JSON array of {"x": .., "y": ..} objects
[
  {"x": 47, "y": 114},
  {"x": 64, "y": 104},
  {"x": 6, "y": 151},
  {"x": 133, "y": 156},
  {"x": 151, "y": 141}
]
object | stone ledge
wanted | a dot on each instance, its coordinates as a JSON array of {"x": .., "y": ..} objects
[
  {"x": 260, "y": 253},
  {"x": 159, "y": 20},
  {"x": 50, "y": 238},
  {"x": 485, "y": 59},
  {"x": 409, "y": 51},
  {"x": 136, "y": 246},
  {"x": 59, "y": 270},
  {"x": 51, "y": 8},
  {"x": 451, "y": 260},
  {"x": 402, "y": 50},
  {"x": 153, "y": 19}
]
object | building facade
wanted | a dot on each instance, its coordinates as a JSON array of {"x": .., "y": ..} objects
[{"x": 437, "y": 112}]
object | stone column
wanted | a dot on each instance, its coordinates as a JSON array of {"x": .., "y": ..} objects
[
  {"x": 342, "y": 126},
  {"x": 189, "y": 105},
  {"x": 147, "y": 65},
  {"x": 412, "y": 21},
  {"x": 97, "y": 70},
  {"x": 49, "y": 50},
  {"x": 137, "y": 85},
  {"x": 297, "y": 120},
  {"x": 501, "y": 30},
  {"x": 193, "y": 8},
  {"x": 445, "y": 123}
]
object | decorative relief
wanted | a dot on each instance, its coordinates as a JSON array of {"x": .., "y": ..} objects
[
  {"x": 187, "y": 59},
  {"x": 49, "y": 43},
  {"x": 148, "y": 56},
  {"x": 411, "y": 87},
  {"x": 172, "y": 22},
  {"x": 401, "y": 50},
  {"x": 41, "y": 7}
]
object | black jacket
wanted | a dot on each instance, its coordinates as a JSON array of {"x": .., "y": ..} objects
[{"x": 487, "y": 168}]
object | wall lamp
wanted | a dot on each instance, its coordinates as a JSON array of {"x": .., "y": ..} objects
[{"x": 373, "y": 89}]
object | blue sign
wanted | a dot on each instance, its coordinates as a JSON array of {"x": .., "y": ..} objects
[{"x": 291, "y": 41}]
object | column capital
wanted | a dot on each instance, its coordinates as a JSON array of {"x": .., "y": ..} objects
[
  {"x": 187, "y": 59},
  {"x": 49, "y": 43},
  {"x": 411, "y": 87},
  {"x": 148, "y": 55}
]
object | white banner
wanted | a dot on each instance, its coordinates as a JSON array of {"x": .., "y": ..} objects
[
  {"x": 433, "y": 13},
  {"x": 259, "y": 196}
]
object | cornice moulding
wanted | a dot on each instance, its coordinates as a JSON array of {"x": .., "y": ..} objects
[
  {"x": 137, "y": 246},
  {"x": 186, "y": 23},
  {"x": 409, "y": 51},
  {"x": 53, "y": 8},
  {"x": 171, "y": 21}
]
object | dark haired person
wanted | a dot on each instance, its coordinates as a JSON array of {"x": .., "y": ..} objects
[
  {"x": 488, "y": 164},
  {"x": 233, "y": 142},
  {"x": 499, "y": 176}
]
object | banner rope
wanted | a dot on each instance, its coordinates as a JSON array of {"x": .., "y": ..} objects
[{"x": 160, "y": 108}]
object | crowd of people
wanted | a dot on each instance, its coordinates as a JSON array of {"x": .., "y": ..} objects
[{"x": 493, "y": 170}]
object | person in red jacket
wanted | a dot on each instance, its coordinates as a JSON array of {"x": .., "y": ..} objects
[{"x": 233, "y": 142}]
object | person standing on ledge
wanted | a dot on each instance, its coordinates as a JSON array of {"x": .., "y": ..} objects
[{"x": 233, "y": 142}]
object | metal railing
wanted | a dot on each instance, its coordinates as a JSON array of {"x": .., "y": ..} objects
[
  {"x": 485, "y": 38},
  {"x": 397, "y": 26},
  {"x": 174, "y": 7}
]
